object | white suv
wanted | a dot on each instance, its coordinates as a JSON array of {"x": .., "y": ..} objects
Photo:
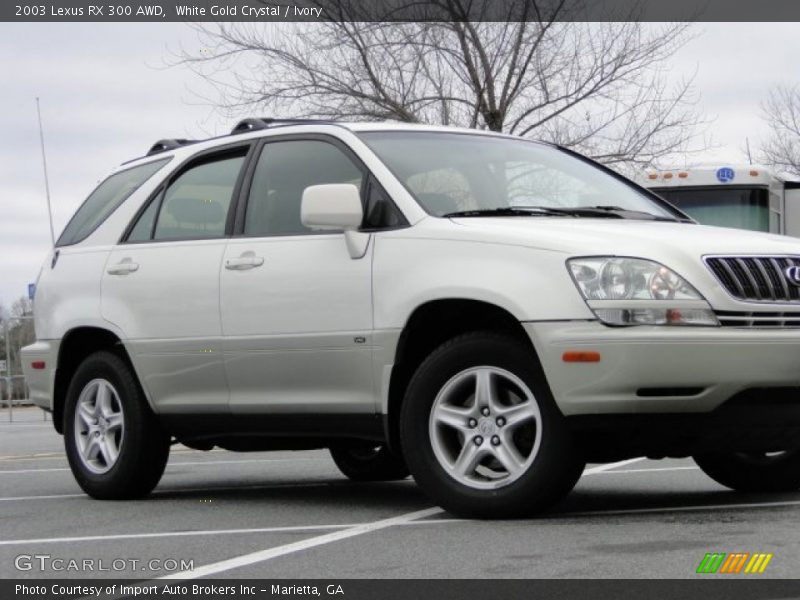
[{"x": 486, "y": 312}]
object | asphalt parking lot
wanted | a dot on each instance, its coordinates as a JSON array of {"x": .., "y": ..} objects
[{"x": 292, "y": 515}]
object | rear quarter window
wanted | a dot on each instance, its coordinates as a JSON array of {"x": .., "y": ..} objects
[{"x": 105, "y": 199}]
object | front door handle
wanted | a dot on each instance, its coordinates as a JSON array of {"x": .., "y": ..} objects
[
  {"x": 248, "y": 260},
  {"x": 125, "y": 266}
]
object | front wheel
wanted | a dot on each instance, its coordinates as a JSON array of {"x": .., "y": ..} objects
[
  {"x": 115, "y": 445},
  {"x": 753, "y": 471},
  {"x": 481, "y": 432}
]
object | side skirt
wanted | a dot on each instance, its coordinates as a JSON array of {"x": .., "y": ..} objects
[{"x": 258, "y": 432}]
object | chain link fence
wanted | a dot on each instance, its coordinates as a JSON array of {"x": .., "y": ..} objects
[{"x": 17, "y": 331}]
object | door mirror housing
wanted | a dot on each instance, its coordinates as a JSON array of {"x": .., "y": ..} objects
[{"x": 332, "y": 206}]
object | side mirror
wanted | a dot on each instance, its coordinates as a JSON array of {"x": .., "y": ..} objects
[{"x": 332, "y": 206}]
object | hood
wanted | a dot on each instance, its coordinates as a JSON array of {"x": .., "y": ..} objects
[{"x": 625, "y": 237}]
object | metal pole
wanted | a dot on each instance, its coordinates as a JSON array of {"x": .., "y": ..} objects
[{"x": 8, "y": 371}]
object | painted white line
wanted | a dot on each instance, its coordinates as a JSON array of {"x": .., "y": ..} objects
[
  {"x": 227, "y": 488},
  {"x": 666, "y": 509},
  {"x": 614, "y": 465},
  {"x": 659, "y": 470},
  {"x": 200, "y": 463},
  {"x": 164, "y": 534},
  {"x": 61, "y": 456},
  {"x": 270, "y": 553},
  {"x": 50, "y": 497}
]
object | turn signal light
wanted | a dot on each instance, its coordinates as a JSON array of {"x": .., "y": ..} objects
[{"x": 583, "y": 356}]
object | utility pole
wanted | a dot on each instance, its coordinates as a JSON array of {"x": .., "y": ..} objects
[{"x": 8, "y": 370}]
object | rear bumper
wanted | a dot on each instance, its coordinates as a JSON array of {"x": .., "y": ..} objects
[
  {"x": 648, "y": 370},
  {"x": 41, "y": 381}
]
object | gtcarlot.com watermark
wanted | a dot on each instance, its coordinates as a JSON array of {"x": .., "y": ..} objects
[{"x": 50, "y": 563}]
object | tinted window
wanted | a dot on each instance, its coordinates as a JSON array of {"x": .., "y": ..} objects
[
  {"x": 143, "y": 230},
  {"x": 105, "y": 199},
  {"x": 195, "y": 204},
  {"x": 381, "y": 212},
  {"x": 284, "y": 171}
]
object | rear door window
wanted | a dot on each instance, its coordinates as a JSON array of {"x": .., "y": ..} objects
[{"x": 105, "y": 199}]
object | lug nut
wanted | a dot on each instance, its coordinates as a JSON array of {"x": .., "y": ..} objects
[
  {"x": 500, "y": 421},
  {"x": 485, "y": 411},
  {"x": 495, "y": 440},
  {"x": 472, "y": 423},
  {"x": 478, "y": 440}
]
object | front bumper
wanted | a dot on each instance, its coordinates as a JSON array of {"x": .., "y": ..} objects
[
  {"x": 41, "y": 382},
  {"x": 646, "y": 370}
]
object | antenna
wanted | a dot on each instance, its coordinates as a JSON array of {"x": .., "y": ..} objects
[{"x": 46, "y": 181}]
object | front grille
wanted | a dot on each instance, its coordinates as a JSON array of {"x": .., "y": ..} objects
[
  {"x": 758, "y": 278},
  {"x": 772, "y": 320}
]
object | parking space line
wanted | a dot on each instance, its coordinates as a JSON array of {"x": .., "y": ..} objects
[
  {"x": 270, "y": 553},
  {"x": 657, "y": 470},
  {"x": 695, "y": 508},
  {"x": 614, "y": 465},
  {"x": 47, "y": 497},
  {"x": 178, "y": 464},
  {"x": 164, "y": 534}
]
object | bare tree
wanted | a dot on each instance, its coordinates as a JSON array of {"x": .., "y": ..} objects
[
  {"x": 601, "y": 88},
  {"x": 782, "y": 112}
]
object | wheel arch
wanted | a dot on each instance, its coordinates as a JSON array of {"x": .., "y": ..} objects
[
  {"x": 430, "y": 325},
  {"x": 77, "y": 344}
]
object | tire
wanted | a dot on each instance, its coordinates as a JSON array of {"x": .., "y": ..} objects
[
  {"x": 365, "y": 461},
  {"x": 115, "y": 445},
  {"x": 523, "y": 429},
  {"x": 753, "y": 472}
]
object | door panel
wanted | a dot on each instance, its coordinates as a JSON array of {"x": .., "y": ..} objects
[
  {"x": 298, "y": 328},
  {"x": 168, "y": 307},
  {"x": 163, "y": 290}
]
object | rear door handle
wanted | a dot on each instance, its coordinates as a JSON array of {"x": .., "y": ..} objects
[
  {"x": 248, "y": 260},
  {"x": 123, "y": 267}
]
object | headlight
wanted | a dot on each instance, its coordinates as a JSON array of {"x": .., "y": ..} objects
[{"x": 634, "y": 291}]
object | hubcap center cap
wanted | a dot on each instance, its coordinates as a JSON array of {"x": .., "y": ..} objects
[{"x": 486, "y": 427}]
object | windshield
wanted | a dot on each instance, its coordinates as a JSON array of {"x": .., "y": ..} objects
[
  {"x": 742, "y": 208},
  {"x": 451, "y": 173}
]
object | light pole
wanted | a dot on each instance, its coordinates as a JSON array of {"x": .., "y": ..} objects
[{"x": 8, "y": 370}]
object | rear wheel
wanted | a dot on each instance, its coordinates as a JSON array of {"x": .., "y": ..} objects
[
  {"x": 481, "y": 432},
  {"x": 753, "y": 471},
  {"x": 366, "y": 461},
  {"x": 115, "y": 445}
]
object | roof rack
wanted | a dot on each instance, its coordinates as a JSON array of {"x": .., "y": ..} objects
[
  {"x": 171, "y": 144},
  {"x": 254, "y": 124}
]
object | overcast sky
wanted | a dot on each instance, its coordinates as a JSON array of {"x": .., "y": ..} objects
[{"x": 106, "y": 98}]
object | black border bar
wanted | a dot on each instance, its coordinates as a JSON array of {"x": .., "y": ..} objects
[{"x": 160, "y": 11}]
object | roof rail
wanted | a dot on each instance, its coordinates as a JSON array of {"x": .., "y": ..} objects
[
  {"x": 171, "y": 144},
  {"x": 256, "y": 123}
]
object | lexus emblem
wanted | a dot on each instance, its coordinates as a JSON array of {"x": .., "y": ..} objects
[{"x": 793, "y": 274}]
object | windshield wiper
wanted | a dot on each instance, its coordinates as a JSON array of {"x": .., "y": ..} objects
[
  {"x": 508, "y": 211},
  {"x": 622, "y": 212},
  {"x": 601, "y": 212}
]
